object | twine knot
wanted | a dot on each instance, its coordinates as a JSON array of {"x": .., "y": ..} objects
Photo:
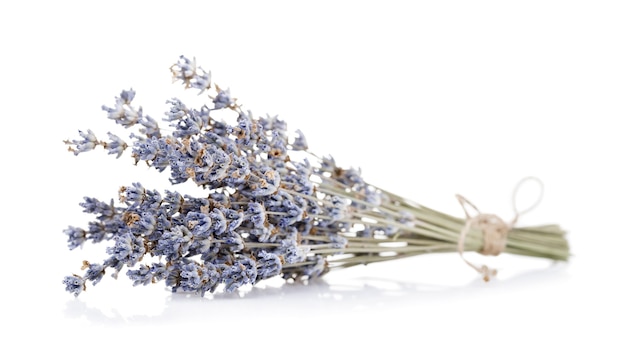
[{"x": 494, "y": 229}]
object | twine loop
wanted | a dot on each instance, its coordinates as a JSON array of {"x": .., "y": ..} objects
[{"x": 494, "y": 229}]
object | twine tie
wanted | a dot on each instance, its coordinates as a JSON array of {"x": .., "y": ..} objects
[{"x": 494, "y": 229}]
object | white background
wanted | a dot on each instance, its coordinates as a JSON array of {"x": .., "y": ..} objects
[{"x": 429, "y": 100}]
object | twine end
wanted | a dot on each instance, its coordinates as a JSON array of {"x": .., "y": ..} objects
[{"x": 487, "y": 273}]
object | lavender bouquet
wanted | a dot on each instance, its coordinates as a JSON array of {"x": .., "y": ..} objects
[{"x": 272, "y": 208}]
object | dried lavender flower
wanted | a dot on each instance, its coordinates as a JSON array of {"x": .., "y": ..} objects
[{"x": 263, "y": 214}]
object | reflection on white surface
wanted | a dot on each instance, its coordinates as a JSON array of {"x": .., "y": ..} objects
[{"x": 318, "y": 298}]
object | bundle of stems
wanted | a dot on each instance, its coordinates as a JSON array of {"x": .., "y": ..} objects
[{"x": 435, "y": 231}]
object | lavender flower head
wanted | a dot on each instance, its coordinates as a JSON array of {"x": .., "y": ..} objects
[{"x": 263, "y": 215}]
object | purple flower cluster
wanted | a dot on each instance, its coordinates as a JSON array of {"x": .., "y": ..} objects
[{"x": 264, "y": 213}]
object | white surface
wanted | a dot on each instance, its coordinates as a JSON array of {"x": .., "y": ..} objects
[{"x": 429, "y": 100}]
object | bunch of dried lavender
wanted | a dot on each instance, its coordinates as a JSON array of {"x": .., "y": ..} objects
[{"x": 265, "y": 214}]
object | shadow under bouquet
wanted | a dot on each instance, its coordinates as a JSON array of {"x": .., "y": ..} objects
[{"x": 272, "y": 207}]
